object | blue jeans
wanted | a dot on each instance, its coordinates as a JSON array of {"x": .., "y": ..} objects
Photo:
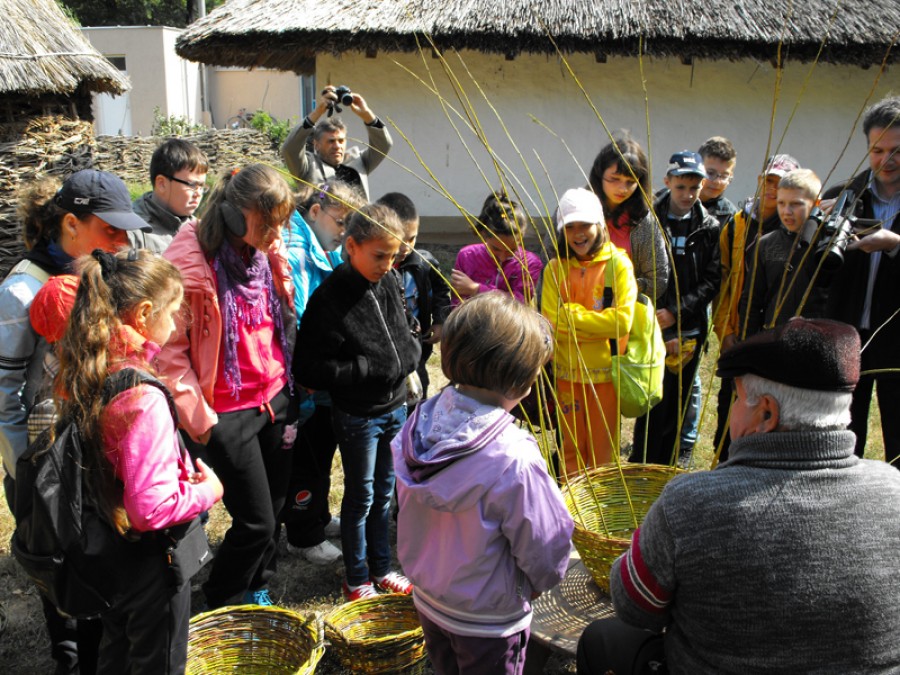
[
  {"x": 692, "y": 417},
  {"x": 365, "y": 444}
]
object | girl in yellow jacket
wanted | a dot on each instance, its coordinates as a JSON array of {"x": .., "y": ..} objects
[{"x": 588, "y": 295}]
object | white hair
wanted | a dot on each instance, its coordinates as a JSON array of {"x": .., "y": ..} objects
[{"x": 801, "y": 409}]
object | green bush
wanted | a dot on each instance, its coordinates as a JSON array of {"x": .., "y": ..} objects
[
  {"x": 276, "y": 130},
  {"x": 173, "y": 125}
]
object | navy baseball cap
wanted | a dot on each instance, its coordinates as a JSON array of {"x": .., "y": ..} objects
[
  {"x": 99, "y": 193},
  {"x": 684, "y": 163}
]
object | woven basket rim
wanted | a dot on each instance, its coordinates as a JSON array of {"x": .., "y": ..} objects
[{"x": 372, "y": 605}]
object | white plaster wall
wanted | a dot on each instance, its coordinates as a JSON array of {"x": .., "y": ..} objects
[
  {"x": 182, "y": 80},
  {"x": 548, "y": 120},
  {"x": 278, "y": 93},
  {"x": 158, "y": 76}
]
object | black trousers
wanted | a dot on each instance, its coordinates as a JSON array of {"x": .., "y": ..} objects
[
  {"x": 147, "y": 632},
  {"x": 723, "y": 408},
  {"x": 245, "y": 450},
  {"x": 305, "y": 513},
  {"x": 612, "y": 646},
  {"x": 74, "y": 645},
  {"x": 659, "y": 428},
  {"x": 887, "y": 389}
]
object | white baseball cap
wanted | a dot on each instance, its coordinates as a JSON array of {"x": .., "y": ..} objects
[{"x": 579, "y": 206}]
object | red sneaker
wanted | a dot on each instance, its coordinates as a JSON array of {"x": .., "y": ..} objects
[
  {"x": 367, "y": 590},
  {"x": 393, "y": 582}
]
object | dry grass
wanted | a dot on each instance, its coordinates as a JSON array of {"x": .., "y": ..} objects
[{"x": 24, "y": 648}]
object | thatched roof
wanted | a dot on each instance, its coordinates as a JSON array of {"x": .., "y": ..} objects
[
  {"x": 286, "y": 34},
  {"x": 41, "y": 52}
]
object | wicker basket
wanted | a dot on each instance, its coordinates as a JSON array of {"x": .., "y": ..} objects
[
  {"x": 378, "y": 635},
  {"x": 254, "y": 640},
  {"x": 606, "y": 513}
]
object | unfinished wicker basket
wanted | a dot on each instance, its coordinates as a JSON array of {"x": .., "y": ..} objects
[
  {"x": 255, "y": 640},
  {"x": 378, "y": 635},
  {"x": 608, "y": 503}
]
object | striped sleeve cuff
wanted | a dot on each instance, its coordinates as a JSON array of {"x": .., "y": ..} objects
[{"x": 640, "y": 584}]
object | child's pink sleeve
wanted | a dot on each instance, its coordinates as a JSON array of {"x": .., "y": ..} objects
[{"x": 141, "y": 442}]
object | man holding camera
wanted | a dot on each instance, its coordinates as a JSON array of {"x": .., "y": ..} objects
[
  {"x": 330, "y": 157},
  {"x": 866, "y": 290}
]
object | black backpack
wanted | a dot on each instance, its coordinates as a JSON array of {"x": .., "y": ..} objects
[{"x": 68, "y": 549}]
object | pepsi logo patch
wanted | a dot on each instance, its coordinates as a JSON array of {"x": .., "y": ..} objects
[{"x": 303, "y": 498}]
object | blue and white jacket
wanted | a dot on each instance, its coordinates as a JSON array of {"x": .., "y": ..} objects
[
  {"x": 22, "y": 352},
  {"x": 310, "y": 266}
]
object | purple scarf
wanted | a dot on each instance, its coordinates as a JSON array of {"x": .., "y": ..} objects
[{"x": 253, "y": 285}]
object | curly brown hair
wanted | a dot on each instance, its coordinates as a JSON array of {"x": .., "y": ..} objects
[{"x": 110, "y": 289}]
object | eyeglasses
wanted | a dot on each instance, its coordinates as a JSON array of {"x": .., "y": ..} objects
[
  {"x": 716, "y": 176},
  {"x": 193, "y": 186},
  {"x": 339, "y": 221}
]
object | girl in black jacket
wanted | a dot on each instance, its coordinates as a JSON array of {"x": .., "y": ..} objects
[{"x": 356, "y": 341}]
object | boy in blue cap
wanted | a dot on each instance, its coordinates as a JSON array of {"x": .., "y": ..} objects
[{"x": 693, "y": 242}]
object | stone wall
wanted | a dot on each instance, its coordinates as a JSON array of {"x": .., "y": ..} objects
[
  {"x": 58, "y": 145},
  {"x": 129, "y": 156}
]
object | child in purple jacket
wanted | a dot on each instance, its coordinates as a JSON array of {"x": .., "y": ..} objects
[
  {"x": 482, "y": 529},
  {"x": 499, "y": 262}
]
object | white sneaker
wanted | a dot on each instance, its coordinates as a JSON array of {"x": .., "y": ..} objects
[
  {"x": 333, "y": 528},
  {"x": 325, "y": 553}
]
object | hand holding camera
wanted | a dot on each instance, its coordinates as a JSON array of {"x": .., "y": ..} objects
[
  {"x": 839, "y": 230},
  {"x": 335, "y": 98}
]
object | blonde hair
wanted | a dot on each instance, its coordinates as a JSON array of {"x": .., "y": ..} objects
[
  {"x": 375, "y": 221},
  {"x": 110, "y": 288},
  {"x": 256, "y": 187},
  {"x": 802, "y": 179},
  {"x": 494, "y": 342}
]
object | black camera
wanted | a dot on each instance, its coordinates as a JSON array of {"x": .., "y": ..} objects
[
  {"x": 344, "y": 96},
  {"x": 830, "y": 235}
]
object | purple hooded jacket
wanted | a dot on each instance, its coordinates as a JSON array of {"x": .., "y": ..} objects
[{"x": 482, "y": 525}]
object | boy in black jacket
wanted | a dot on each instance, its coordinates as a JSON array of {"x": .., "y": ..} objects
[
  {"x": 425, "y": 289},
  {"x": 784, "y": 278},
  {"x": 693, "y": 240}
]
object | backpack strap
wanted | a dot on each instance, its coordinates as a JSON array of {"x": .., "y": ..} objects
[
  {"x": 609, "y": 299},
  {"x": 608, "y": 302},
  {"x": 32, "y": 269},
  {"x": 128, "y": 378}
]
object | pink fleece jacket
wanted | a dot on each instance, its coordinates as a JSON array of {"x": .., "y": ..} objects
[
  {"x": 517, "y": 276},
  {"x": 142, "y": 444}
]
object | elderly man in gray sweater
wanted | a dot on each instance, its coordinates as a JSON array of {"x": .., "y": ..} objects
[{"x": 784, "y": 559}]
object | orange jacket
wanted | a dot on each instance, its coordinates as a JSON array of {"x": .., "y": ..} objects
[{"x": 572, "y": 299}]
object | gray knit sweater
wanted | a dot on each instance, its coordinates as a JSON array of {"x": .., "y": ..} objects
[
  {"x": 785, "y": 559},
  {"x": 648, "y": 253}
]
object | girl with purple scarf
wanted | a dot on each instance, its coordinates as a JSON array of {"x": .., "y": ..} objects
[{"x": 228, "y": 366}]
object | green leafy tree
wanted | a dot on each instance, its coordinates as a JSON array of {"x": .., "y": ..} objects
[{"x": 178, "y": 13}]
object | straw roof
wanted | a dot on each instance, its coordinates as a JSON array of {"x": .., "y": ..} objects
[
  {"x": 286, "y": 34},
  {"x": 42, "y": 52}
]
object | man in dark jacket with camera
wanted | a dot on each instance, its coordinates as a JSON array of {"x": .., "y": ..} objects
[
  {"x": 866, "y": 290},
  {"x": 330, "y": 155}
]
